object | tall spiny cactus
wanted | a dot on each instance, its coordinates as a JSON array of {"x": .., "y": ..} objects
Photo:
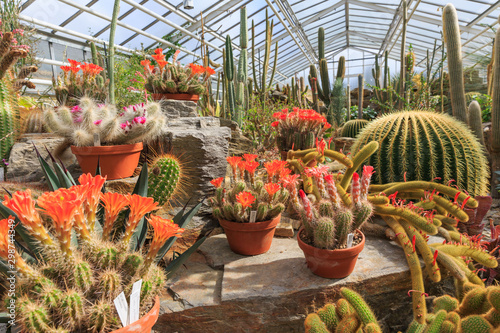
[
  {"x": 229, "y": 75},
  {"x": 402, "y": 73},
  {"x": 451, "y": 31},
  {"x": 361, "y": 89},
  {"x": 163, "y": 180},
  {"x": 475, "y": 120},
  {"x": 262, "y": 87},
  {"x": 424, "y": 145},
  {"x": 242, "y": 74},
  {"x": 111, "y": 56},
  {"x": 495, "y": 110}
]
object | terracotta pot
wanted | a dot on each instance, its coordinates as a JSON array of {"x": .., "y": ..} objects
[
  {"x": 283, "y": 154},
  {"x": 250, "y": 238},
  {"x": 116, "y": 161},
  {"x": 178, "y": 97},
  {"x": 331, "y": 264},
  {"x": 144, "y": 324},
  {"x": 475, "y": 225}
]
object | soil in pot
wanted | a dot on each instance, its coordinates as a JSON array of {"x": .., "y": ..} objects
[
  {"x": 250, "y": 238},
  {"x": 332, "y": 264}
]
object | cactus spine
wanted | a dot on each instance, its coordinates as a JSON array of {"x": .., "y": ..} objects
[
  {"x": 352, "y": 127},
  {"x": 451, "y": 32},
  {"x": 432, "y": 145}
]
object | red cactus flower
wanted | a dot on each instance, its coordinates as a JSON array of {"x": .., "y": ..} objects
[
  {"x": 73, "y": 63},
  {"x": 113, "y": 203},
  {"x": 275, "y": 123},
  {"x": 249, "y": 157},
  {"x": 246, "y": 199},
  {"x": 7, "y": 248},
  {"x": 217, "y": 182},
  {"x": 209, "y": 71},
  {"x": 271, "y": 189},
  {"x": 234, "y": 161},
  {"x": 163, "y": 230},
  {"x": 139, "y": 206},
  {"x": 91, "y": 201},
  {"x": 274, "y": 168},
  {"x": 251, "y": 167}
]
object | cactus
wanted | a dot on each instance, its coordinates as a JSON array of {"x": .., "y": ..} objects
[
  {"x": 430, "y": 145},
  {"x": 476, "y": 324},
  {"x": 361, "y": 88},
  {"x": 249, "y": 190},
  {"x": 72, "y": 288},
  {"x": 229, "y": 76},
  {"x": 261, "y": 85},
  {"x": 352, "y": 128},
  {"x": 341, "y": 68},
  {"x": 242, "y": 74},
  {"x": 362, "y": 309},
  {"x": 475, "y": 121},
  {"x": 314, "y": 324},
  {"x": 164, "y": 178},
  {"x": 451, "y": 33},
  {"x": 136, "y": 123}
]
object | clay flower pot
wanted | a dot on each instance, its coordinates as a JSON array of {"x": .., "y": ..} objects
[
  {"x": 179, "y": 97},
  {"x": 116, "y": 162},
  {"x": 476, "y": 215},
  {"x": 250, "y": 238},
  {"x": 144, "y": 324},
  {"x": 331, "y": 264}
]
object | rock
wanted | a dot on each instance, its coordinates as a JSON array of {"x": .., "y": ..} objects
[
  {"x": 202, "y": 145},
  {"x": 175, "y": 109},
  {"x": 123, "y": 186},
  {"x": 343, "y": 143},
  {"x": 24, "y": 165},
  {"x": 274, "y": 292},
  {"x": 239, "y": 143},
  {"x": 284, "y": 228}
]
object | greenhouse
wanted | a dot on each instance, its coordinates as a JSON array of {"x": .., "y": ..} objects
[{"x": 249, "y": 166}]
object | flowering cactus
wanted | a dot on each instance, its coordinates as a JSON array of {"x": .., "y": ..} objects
[
  {"x": 172, "y": 78},
  {"x": 299, "y": 129},
  {"x": 70, "y": 86},
  {"x": 328, "y": 221},
  {"x": 135, "y": 123},
  {"x": 248, "y": 191},
  {"x": 80, "y": 276}
]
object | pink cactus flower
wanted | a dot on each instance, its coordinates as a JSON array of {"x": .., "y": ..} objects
[
  {"x": 97, "y": 122},
  {"x": 140, "y": 120},
  {"x": 76, "y": 109}
]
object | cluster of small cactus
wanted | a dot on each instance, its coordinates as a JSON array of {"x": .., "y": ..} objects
[
  {"x": 70, "y": 283},
  {"x": 424, "y": 145},
  {"x": 299, "y": 129},
  {"x": 349, "y": 314},
  {"x": 164, "y": 178},
  {"x": 352, "y": 128},
  {"x": 172, "y": 78},
  {"x": 478, "y": 310},
  {"x": 135, "y": 123},
  {"x": 250, "y": 191},
  {"x": 330, "y": 219},
  {"x": 71, "y": 86}
]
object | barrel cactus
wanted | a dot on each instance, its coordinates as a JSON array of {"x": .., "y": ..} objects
[
  {"x": 424, "y": 145},
  {"x": 352, "y": 128},
  {"x": 164, "y": 178}
]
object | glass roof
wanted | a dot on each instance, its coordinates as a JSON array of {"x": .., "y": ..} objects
[{"x": 357, "y": 29}]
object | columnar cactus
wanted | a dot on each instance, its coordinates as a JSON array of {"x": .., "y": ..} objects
[
  {"x": 475, "y": 122},
  {"x": 135, "y": 123},
  {"x": 164, "y": 178},
  {"x": 248, "y": 193},
  {"x": 424, "y": 145},
  {"x": 72, "y": 287},
  {"x": 361, "y": 88},
  {"x": 451, "y": 32},
  {"x": 242, "y": 95}
]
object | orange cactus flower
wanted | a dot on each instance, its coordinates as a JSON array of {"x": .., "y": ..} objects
[
  {"x": 217, "y": 182},
  {"x": 23, "y": 205},
  {"x": 91, "y": 201},
  {"x": 61, "y": 206},
  {"x": 249, "y": 157},
  {"x": 163, "y": 230},
  {"x": 66, "y": 69},
  {"x": 209, "y": 71},
  {"x": 114, "y": 203},
  {"x": 8, "y": 249},
  {"x": 73, "y": 63},
  {"x": 271, "y": 189},
  {"x": 162, "y": 63},
  {"x": 234, "y": 161},
  {"x": 246, "y": 199},
  {"x": 196, "y": 69},
  {"x": 251, "y": 167},
  {"x": 80, "y": 220},
  {"x": 274, "y": 168},
  {"x": 139, "y": 206}
]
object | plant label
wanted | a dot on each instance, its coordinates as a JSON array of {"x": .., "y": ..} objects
[
  {"x": 350, "y": 239},
  {"x": 135, "y": 302},
  {"x": 253, "y": 216},
  {"x": 122, "y": 308}
]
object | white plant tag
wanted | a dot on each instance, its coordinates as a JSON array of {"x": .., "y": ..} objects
[
  {"x": 253, "y": 216},
  {"x": 350, "y": 239},
  {"x": 135, "y": 302},
  {"x": 122, "y": 308}
]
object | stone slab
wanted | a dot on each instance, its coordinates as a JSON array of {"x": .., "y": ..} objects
[{"x": 175, "y": 109}]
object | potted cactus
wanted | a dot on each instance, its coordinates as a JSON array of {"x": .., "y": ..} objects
[
  {"x": 299, "y": 129},
  {"x": 171, "y": 80},
  {"x": 330, "y": 235},
  {"x": 249, "y": 207},
  {"x": 100, "y": 132},
  {"x": 70, "y": 86},
  {"x": 76, "y": 265}
]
